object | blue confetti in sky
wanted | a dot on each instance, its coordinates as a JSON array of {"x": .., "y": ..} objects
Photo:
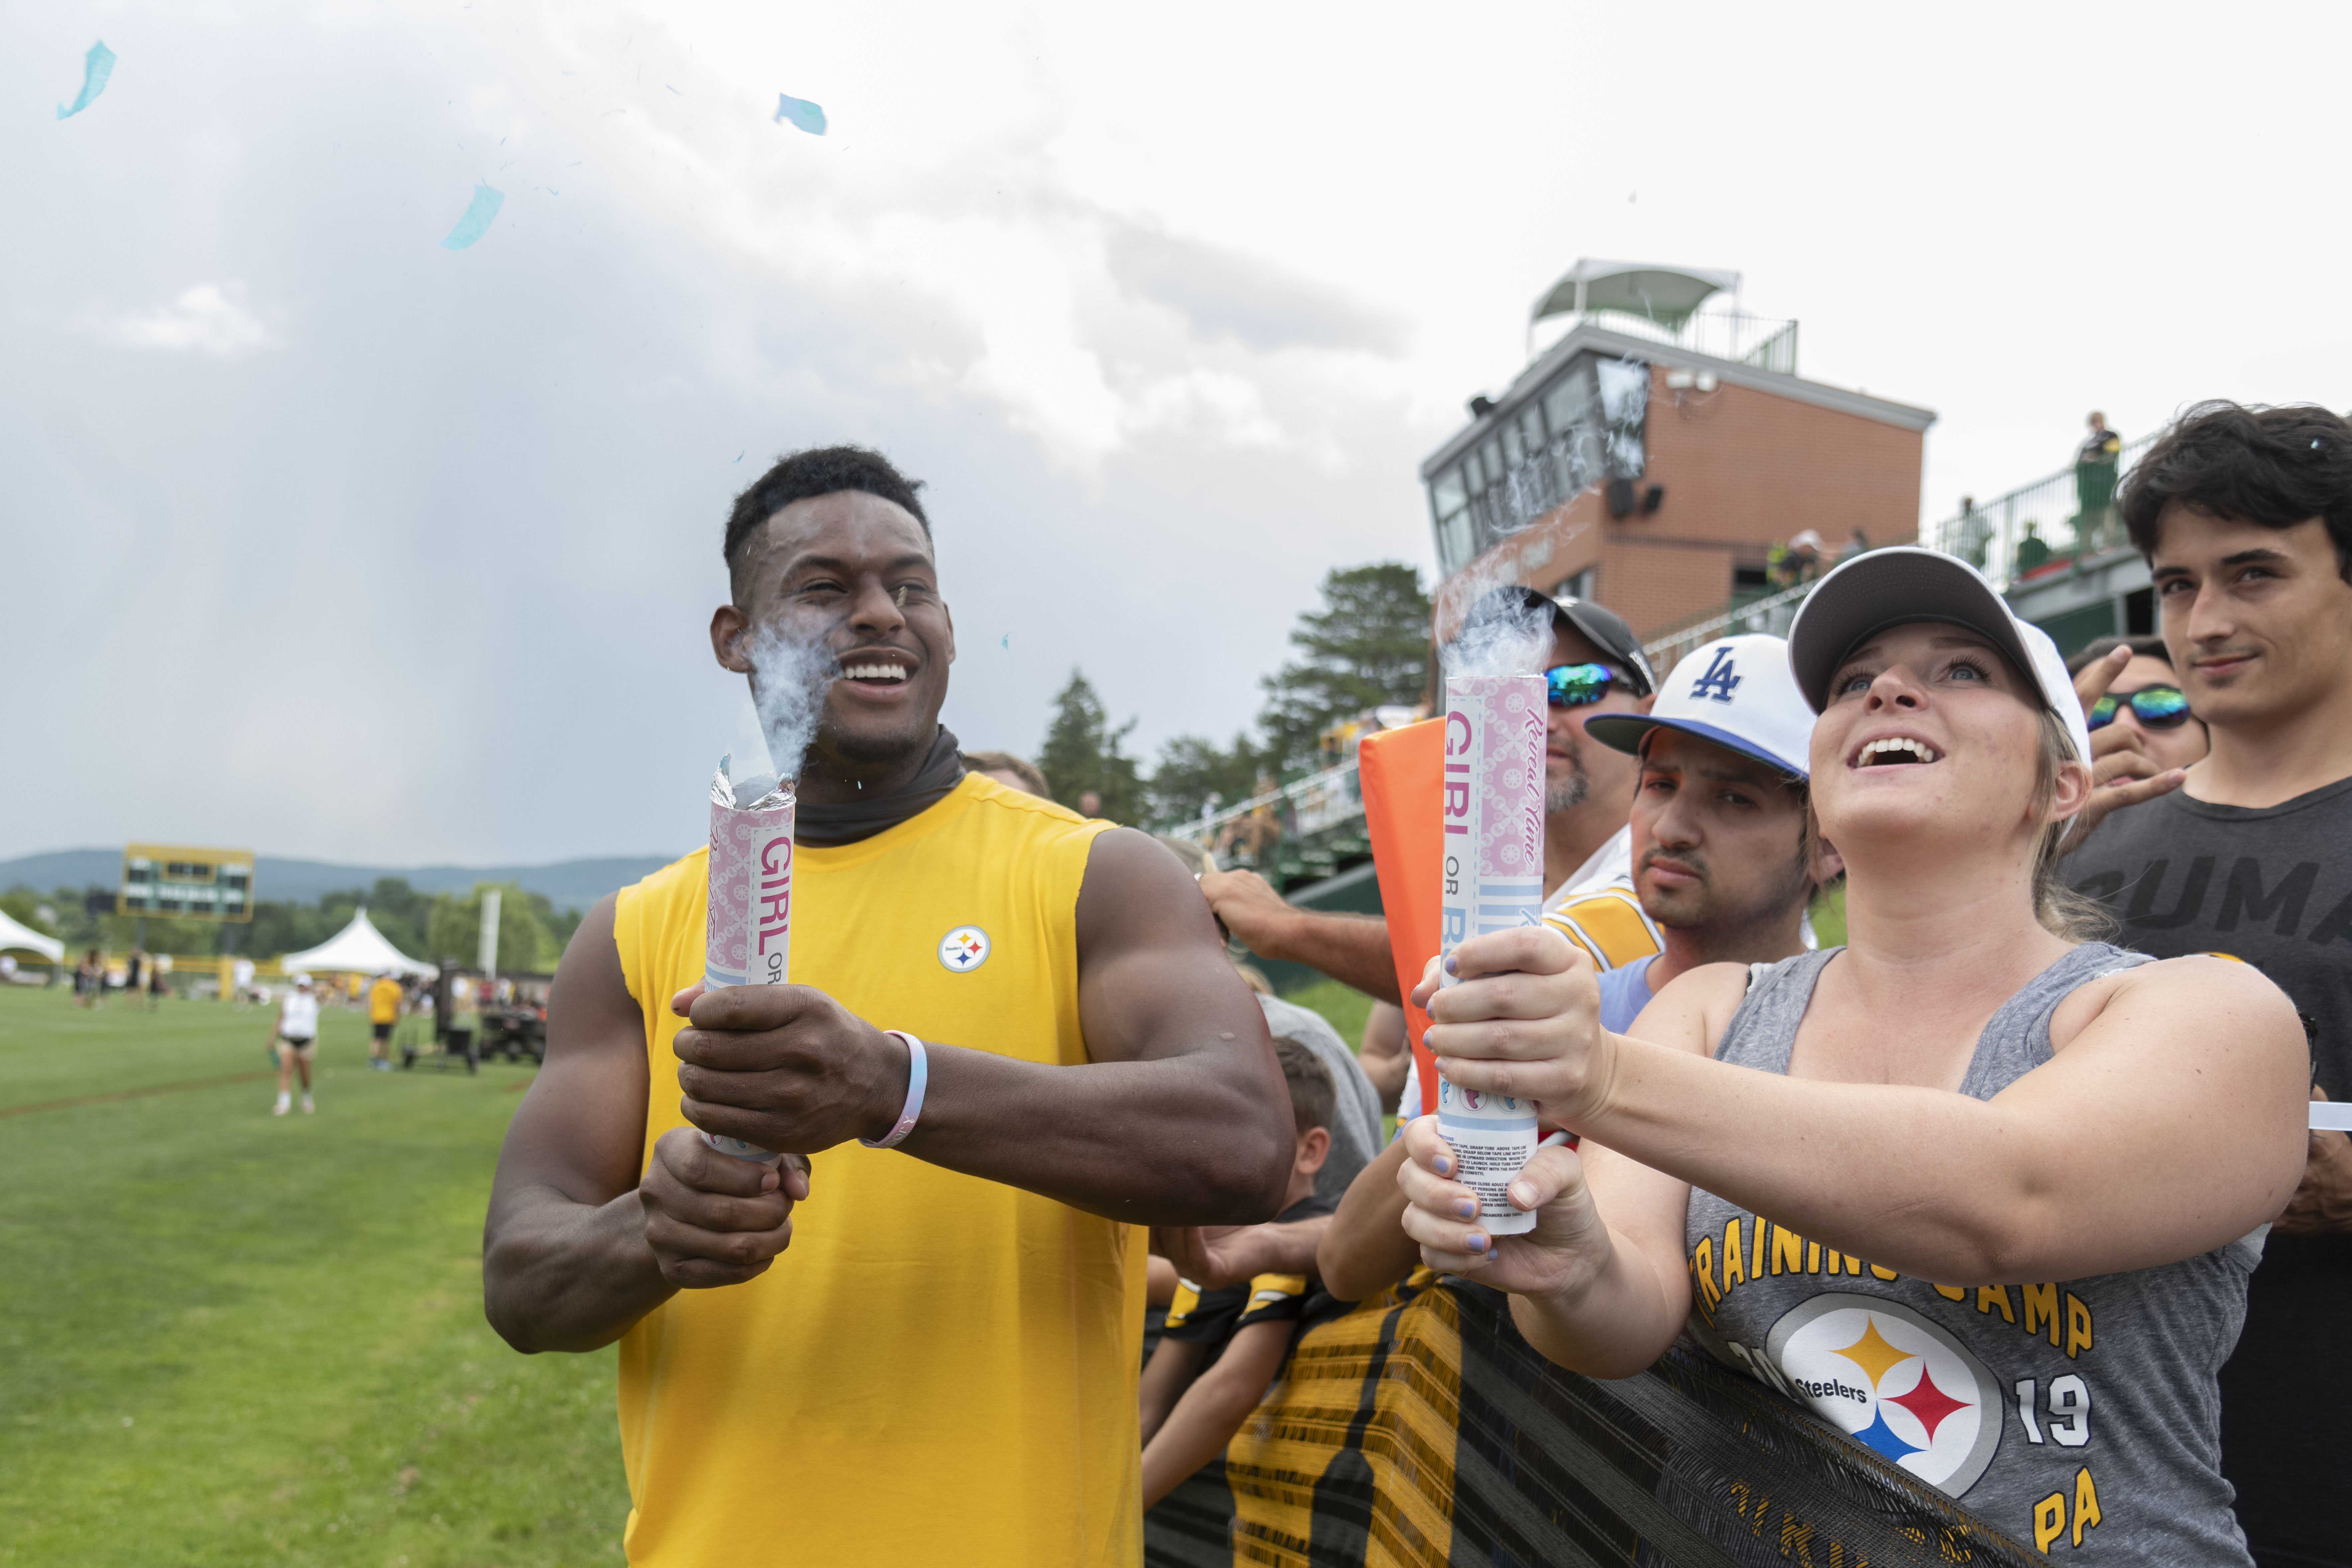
[
  {"x": 808, "y": 116},
  {"x": 98, "y": 63},
  {"x": 478, "y": 213}
]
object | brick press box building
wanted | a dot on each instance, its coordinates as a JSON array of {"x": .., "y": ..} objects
[{"x": 1653, "y": 455}]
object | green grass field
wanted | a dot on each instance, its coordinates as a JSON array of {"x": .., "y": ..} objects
[
  {"x": 1344, "y": 1007},
  {"x": 232, "y": 1337},
  {"x": 229, "y": 1338}
]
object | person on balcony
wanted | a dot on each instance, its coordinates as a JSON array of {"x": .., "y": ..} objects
[
  {"x": 2032, "y": 550},
  {"x": 2095, "y": 484},
  {"x": 1974, "y": 535}
]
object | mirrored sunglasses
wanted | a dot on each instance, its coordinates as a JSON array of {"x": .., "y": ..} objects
[
  {"x": 2157, "y": 707},
  {"x": 1578, "y": 685}
]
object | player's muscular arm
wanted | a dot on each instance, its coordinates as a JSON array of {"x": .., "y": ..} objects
[
  {"x": 1179, "y": 1119},
  {"x": 576, "y": 1248},
  {"x": 1351, "y": 949}
]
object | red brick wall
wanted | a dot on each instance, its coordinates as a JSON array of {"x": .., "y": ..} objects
[
  {"x": 1742, "y": 470},
  {"x": 1750, "y": 469}
]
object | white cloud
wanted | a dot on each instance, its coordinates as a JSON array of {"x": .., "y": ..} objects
[
  {"x": 209, "y": 318},
  {"x": 1166, "y": 315}
]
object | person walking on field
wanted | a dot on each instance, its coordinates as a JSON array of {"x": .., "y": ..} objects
[
  {"x": 465, "y": 1019},
  {"x": 294, "y": 1033},
  {"x": 383, "y": 1012}
]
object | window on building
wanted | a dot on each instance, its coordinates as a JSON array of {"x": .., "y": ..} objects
[
  {"x": 1625, "y": 409},
  {"x": 1585, "y": 426},
  {"x": 1455, "y": 543},
  {"x": 1579, "y": 585},
  {"x": 1445, "y": 493},
  {"x": 1531, "y": 426}
]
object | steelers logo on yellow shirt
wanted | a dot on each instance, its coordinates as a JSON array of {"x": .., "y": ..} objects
[{"x": 963, "y": 949}]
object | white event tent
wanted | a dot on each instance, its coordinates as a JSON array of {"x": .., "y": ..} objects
[
  {"x": 358, "y": 948},
  {"x": 23, "y": 939}
]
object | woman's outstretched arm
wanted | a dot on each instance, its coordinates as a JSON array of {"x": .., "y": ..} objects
[
  {"x": 2170, "y": 1121},
  {"x": 1598, "y": 1285}
]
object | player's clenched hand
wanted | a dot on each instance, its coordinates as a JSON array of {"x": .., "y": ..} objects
[
  {"x": 712, "y": 1219},
  {"x": 1525, "y": 1020},
  {"x": 786, "y": 1067},
  {"x": 1568, "y": 1248}
]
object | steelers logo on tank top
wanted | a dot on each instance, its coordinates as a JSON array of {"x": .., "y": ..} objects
[
  {"x": 1894, "y": 1381},
  {"x": 963, "y": 950}
]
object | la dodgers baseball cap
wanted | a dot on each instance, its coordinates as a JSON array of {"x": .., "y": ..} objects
[
  {"x": 1901, "y": 584},
  {"x": 1738, "y": 693},
  {"x": 1603, "y": 629}
]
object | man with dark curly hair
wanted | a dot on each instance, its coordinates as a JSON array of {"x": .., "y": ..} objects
[{"x": 2245, "y": 518}]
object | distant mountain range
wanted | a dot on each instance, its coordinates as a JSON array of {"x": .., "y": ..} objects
[{"x": 568, "y": 884}]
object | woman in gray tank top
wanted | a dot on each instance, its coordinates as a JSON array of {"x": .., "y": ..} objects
[{"x": 1981, "y": 1196}]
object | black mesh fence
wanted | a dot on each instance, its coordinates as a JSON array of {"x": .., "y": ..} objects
[{"x": 1421, "y": 1430}]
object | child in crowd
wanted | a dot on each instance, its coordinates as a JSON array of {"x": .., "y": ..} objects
[{"x": 1220, "y": 1349}]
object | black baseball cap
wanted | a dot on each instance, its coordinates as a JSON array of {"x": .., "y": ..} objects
[{"x": 1600, "y": 627}]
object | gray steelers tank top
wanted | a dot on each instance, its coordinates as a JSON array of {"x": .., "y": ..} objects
[{"x": 2080, "y": 1415}]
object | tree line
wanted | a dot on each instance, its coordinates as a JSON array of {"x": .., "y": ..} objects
[
  {"x": 1365, "y": 645},
  {"x": 427, "y": 926}
]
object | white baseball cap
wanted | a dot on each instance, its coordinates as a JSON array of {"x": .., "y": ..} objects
[
  {"x": 1738, "y": 693},
  {"x": 1901, "y": 584}
]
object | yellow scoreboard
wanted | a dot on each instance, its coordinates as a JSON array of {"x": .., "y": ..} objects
[{"x": 181, "y": 883}]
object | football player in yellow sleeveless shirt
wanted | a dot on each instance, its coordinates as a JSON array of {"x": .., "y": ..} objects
[{"x": 943, "y": 1366}]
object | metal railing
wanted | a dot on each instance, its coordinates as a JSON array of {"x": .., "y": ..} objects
[
  {"x": 2034, "y": 530},
  {"x": 2041, "y": 527},
  {"x": 1299, "y": 809},
  {"x": 1771, "y": 614},
  {"x": 1993, "y": 537},
  {"x": 1768, "y": 342}
]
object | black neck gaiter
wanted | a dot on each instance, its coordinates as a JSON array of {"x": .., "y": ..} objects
[{"x": 870, "y": 812}]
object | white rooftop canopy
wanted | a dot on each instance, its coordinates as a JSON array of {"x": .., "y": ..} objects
[
  {"x": 23, "y": 939},
  {"x": 1666, "y": 295},
  {"x": 358, "y": 948}
]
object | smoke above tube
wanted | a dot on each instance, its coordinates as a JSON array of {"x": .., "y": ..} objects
[
  {"x": 778, "y": 721},
  {"x": 1601, "y": 438}
]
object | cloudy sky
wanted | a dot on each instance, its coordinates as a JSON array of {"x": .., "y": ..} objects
[{"x": 321, "y": 538}]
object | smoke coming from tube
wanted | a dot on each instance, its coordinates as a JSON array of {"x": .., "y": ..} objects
[
  {"x": 789, "y": 681},
  {"x": 746, "y": 939},
  {"x": 1510, "y": 636}
]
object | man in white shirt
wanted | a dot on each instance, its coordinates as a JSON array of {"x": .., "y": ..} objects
[
  {"x": 1596, "y": 666},
  {"x": 295, "y": 1035}
]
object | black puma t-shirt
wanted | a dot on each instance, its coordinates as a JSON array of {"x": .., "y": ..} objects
[{"x": 2271, "y": 886}]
